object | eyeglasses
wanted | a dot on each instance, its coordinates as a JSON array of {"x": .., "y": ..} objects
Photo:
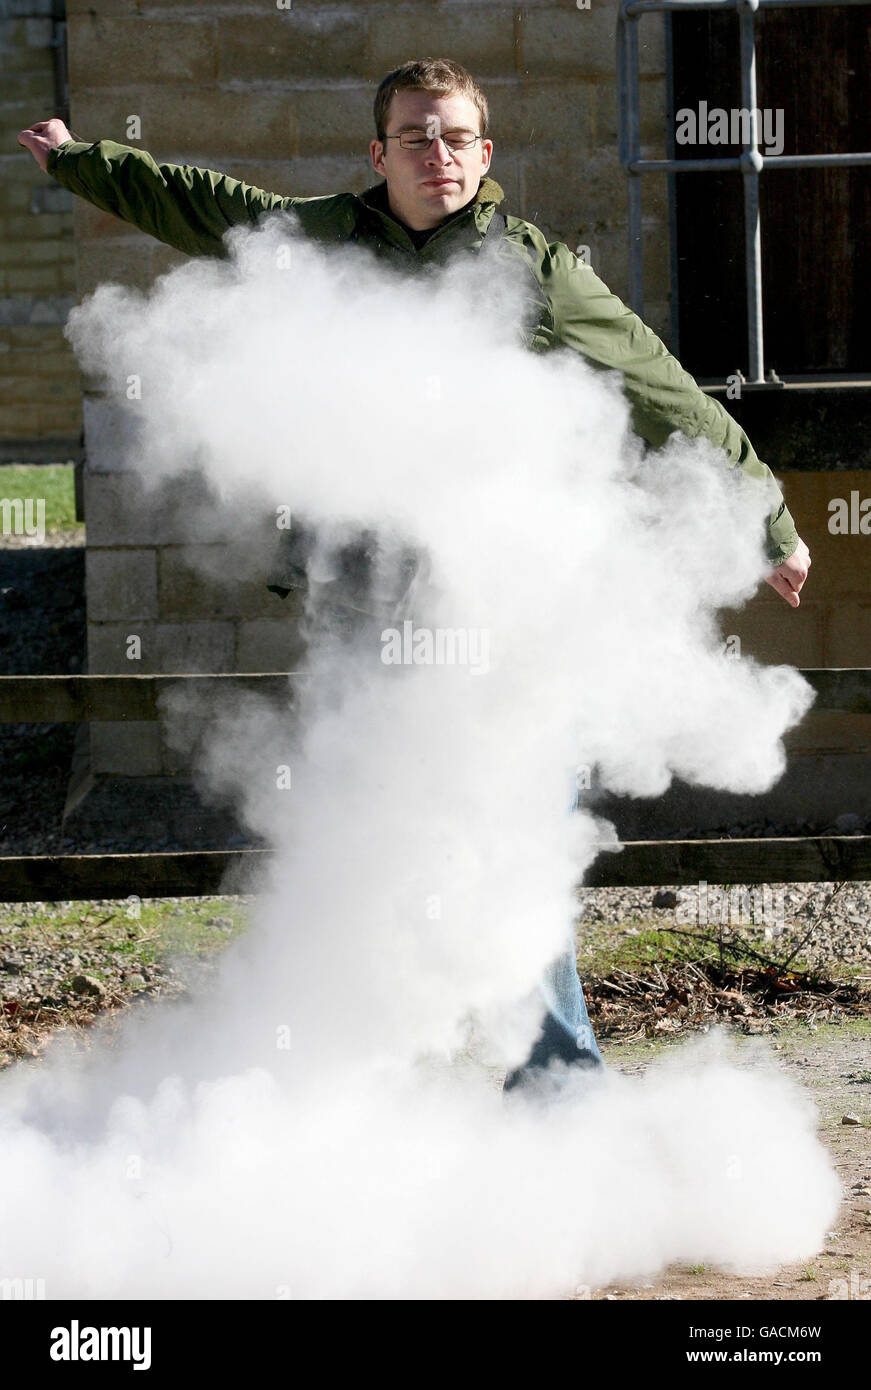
[{"x": 418, "y": 140}]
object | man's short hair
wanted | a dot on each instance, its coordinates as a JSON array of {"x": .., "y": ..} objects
[{"x": 437, "y": 75}]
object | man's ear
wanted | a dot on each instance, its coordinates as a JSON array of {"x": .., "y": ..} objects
[{"x": 376, "y": 152}]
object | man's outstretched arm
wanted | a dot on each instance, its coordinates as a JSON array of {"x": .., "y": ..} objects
[
  {"x": 664, "y": 397},
  {"x": 182, "y": 205}
]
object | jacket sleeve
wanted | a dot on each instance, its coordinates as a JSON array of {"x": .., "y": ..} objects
[
  {"x": 184, "y": 206},
  {"x": 664, "y": 397}
]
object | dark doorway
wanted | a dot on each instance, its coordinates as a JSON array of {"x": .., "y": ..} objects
[{"x": 813, "y": 64}]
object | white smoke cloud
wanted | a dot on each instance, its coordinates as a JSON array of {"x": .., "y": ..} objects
[{"x": 316, "y": 1125}]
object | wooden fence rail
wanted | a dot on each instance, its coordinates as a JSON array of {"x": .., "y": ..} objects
[
  {"x": 73, "y": 699},
  {"x": 201, "y": 873},
  {"x": 78, "y": 699}
]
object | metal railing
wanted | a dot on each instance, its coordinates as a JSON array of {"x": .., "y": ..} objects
[{"x": 751, "y": 162}]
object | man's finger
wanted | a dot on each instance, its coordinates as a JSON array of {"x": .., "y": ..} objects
[{"x": 784, "y": 588}]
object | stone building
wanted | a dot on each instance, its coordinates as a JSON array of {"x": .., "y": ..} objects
[{"x": 280, "y": 96}]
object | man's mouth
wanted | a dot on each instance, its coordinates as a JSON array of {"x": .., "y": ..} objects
[{"x": 437, "y": 183}]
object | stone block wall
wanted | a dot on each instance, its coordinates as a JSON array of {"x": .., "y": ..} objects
[{"x": 40, "y": 402}]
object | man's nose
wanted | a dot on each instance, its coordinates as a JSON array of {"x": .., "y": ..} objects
[{"x": 439, "y": 152}]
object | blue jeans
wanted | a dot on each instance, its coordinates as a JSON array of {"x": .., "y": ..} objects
[{"x": 566, "y": 1032}]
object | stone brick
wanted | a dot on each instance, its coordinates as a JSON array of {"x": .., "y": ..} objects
[
  {"x": 34, "y": 85},
  {"x": 27, "y": 337},
  {"x": 32, "y": 280},
  {"x": 162, "y": 258},
  {"x": 195, "y": 647},
  {"x": 508, "y": 171},
  {"x": 211, "y": 581},
  {"x": 68, "y": 282},
  {"x": 313, "y": 177},
  {"x": 129, "y": 750},
  {"x": 202, "y": 125},
  {"x": 14, "y": 197},
  {"x": 19, "y": 166},
  {"x": 24, "y": 253},
  {"x": 52, "y": 197},
  {"x": 107, "y": 430},
  {"x": 115, "y": 7},
  {"x": 39, "y": 421},
  {"x": 581, "y": 201},
  {"x": 25, "y": 49},
  {"x": 534, "y": 117},
  {"x": 118, "y": 511},
  {"x": 561, "y": 39},
  {"x": 336, "y": 121},
  {"x": 840, "y": 564},
  {"x": 91, "y": 223},
  {"x": 15, "y": 116},
  {"x": 27, "y": 9},
  {"x": 21, "y": 389},
  {"x": 55, "y": 358},
  {"x": 483, "y": 34},
  {"x": 269, "y": 645},
  {"x": 203, "y": 9},
  {"x": 773, "y": 634},
  {"x": 848, "y": 632},
  {"x": 273, "y": 46},
  {"x": 121, "y": 584},
  {"x": 41, "y": 311},
  {"x": 652, "y": 120},
  {"x": 27, "y": 225},
  {"x": 108, "y": 646},
  {"x": 124, "y": 262},
  {"x": 109, "y": 50}
]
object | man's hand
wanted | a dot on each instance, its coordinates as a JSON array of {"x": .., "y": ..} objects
[
  {"x": 788, "y": 578},
  {"x": 43, "y": 137}
]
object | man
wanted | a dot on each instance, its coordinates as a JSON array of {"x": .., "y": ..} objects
[{"x": 437, "y": 201}]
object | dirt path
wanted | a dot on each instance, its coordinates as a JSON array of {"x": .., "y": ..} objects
[{"x": 834, "y": 1063}]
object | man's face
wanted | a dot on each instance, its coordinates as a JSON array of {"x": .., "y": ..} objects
[{"x": 425, "y": 186}]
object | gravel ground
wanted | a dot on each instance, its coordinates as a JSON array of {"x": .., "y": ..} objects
[
  {"x": 840, "y": 941},
  {"x": 64, "y": 965}
]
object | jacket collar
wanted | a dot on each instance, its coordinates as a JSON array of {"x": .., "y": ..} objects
[
  {"x": 475, "y": 214},
  {"x": 489, "y": 191}
]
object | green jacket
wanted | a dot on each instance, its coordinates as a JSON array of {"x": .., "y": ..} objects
[{"x": 191, "y": 208}]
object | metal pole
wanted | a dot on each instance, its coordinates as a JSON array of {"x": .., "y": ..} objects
[
  {"x": 751, "y": 162},
  {"x": 630, "y": 79},
  {"x": 673, "y": 265}
]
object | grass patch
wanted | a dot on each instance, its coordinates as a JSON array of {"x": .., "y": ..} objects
[
  {"x": 125, "y": 950},
  {"x": 53, "y": 482},
  {"x": 602, "y": 952},
  {"x": 146, "y": 930}
]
